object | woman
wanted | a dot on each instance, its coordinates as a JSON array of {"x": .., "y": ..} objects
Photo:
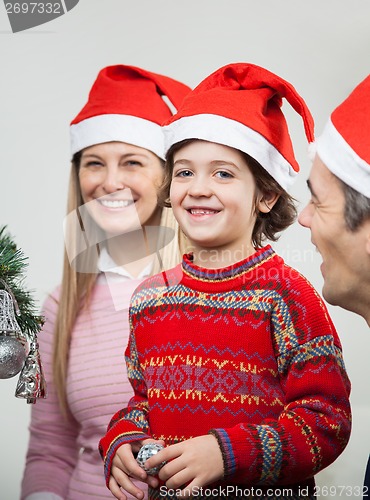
[{"x": 116, "y": 235}]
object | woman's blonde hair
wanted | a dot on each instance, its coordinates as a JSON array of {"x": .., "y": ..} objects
[{"x": 77, "y": 286}]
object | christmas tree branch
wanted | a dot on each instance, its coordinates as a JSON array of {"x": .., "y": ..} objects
[{"x": 13, "y": 265}]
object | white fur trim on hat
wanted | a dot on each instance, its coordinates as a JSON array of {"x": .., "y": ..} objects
[
  {"x": 342, "y": 160},
  {"x": 216, "y": 128},
  {"x": 123, "y": 128},
  {"x": 311, "y": 150}
]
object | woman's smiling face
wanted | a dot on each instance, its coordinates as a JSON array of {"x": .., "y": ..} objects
[{"x": 119, "y": 184}]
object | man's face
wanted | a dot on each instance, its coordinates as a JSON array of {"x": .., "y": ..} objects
[{"x": 343, "y": 252}]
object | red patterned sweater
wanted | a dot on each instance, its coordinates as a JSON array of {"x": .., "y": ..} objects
[{"x": 247, "y": 353}]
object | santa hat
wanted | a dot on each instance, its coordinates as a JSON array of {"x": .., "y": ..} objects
[
  {"x": 344, "y": 145},
  {"x": 126, "y": 104},
  {"x": 239, "y": 105}
]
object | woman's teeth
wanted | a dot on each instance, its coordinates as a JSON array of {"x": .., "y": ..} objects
[{"x": 116, "y": 203}]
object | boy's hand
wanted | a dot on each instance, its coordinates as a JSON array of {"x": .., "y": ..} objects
[
  {"x": 125, "y": 468},
  {"x": 194, "y": 463}
]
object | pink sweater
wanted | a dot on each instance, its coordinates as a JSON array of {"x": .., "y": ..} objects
[{"x": 63, "y": 457}]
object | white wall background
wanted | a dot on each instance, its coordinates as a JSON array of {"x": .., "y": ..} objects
[{"x": 321, "y": 46}]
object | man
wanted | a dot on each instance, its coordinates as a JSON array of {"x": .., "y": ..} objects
[{"x": 338, "y": 213}]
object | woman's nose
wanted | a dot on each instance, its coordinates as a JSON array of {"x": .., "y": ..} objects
[{"x": 113, "y": 180}]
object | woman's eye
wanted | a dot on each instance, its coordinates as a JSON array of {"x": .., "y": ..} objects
[
  {"x": 133, "y": 163},
  {"x": 93, "y": 164}
]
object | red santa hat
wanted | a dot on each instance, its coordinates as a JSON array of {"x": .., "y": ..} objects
[
  {"x": 344, "y": 145},
  {"x": 126, "y": 104},
  {"x": 239, "y": 105}
]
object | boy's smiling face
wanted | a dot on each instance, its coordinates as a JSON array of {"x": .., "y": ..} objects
[{"x": 213, "y": 198}]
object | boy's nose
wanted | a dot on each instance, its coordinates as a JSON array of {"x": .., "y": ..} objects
[{"x": 199, "y": 187}]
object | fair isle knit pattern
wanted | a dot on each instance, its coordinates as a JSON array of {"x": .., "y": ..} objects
[
  {"x": 63, "y": 456},
  {"x": 247, "y": 353}
]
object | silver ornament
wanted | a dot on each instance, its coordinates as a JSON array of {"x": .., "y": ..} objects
[
  {"x": 12, "y": 356},
  {"x": 8, "y": 323},
  {"x": 31, "y": 383},
  {"x": 147, "y": 451},
  {"x": 12, "y": 341}
]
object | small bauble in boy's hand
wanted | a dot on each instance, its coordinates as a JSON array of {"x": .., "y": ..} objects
[{"x": 147, "y": 451}]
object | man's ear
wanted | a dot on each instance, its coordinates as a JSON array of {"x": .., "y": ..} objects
[{"x": 267, "y": 201}]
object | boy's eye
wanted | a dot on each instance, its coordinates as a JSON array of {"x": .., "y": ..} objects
[
  {"x": 222, "y": 174},
  {"x": 183, "y": 173}
]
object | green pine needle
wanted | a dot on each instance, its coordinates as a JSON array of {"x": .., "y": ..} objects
[{"x": 13, "y": 265}]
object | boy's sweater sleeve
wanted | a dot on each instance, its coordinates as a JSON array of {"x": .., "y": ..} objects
[
  {"x": 129, "y": 424},
  {"x": 314, "y": 426},
  {"x": 52, "y": 451}
]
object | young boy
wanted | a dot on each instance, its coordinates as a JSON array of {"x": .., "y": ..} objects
[{"x": 236, "y": 366}]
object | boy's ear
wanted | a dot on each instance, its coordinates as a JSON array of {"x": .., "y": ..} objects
[{"x": 267, "y": 201}]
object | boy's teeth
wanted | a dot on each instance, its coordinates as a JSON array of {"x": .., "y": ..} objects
[
  {"x": 197, "y": 211},
  {"x": 115, "y": 203}
]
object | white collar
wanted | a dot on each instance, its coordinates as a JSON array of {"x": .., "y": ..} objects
[{"x": 107, "y": 265}]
